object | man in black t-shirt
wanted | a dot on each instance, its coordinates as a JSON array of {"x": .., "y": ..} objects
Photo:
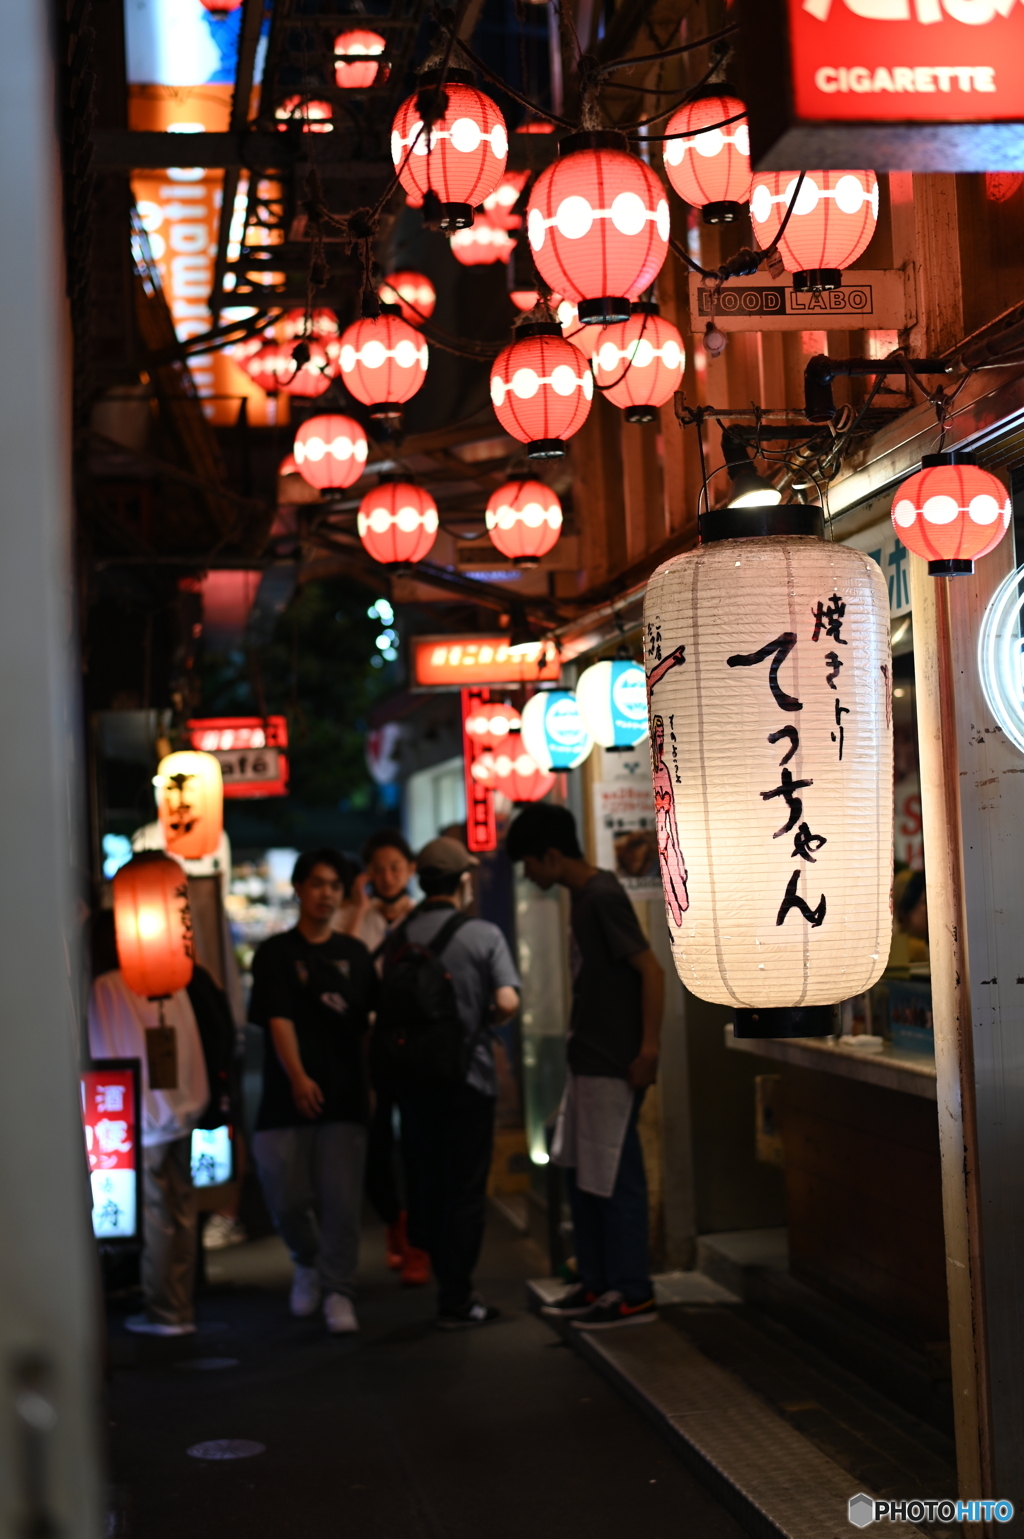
[
  {"x": 312, "y": 992},
  {"x": 617, "y": 1000}
]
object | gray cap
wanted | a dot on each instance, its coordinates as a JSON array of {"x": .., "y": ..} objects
[{"x": 449, "y": 856}]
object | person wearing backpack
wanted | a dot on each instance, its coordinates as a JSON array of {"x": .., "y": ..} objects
[
  {"x": 312, "y": 993},
  {"x": 447, "y": 978}
]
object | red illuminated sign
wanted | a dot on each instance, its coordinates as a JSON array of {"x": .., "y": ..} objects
[
  {"x": 481, "y": 827},
  {"x": 897, "y": 85},
  {"x": 448, "y": 662},
  {"x": 110, "y": 1119},
  {"x": 250, "y": 750}
]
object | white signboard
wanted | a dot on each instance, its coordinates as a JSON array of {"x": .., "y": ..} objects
[
  {"x": 875, "y": 301},
  {"x": 624, "y": 822}
]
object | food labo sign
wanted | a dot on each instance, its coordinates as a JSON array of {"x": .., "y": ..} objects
[{"x": 900, "y": 85}]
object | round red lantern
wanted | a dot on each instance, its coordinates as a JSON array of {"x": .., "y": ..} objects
[
  {"x": 640, "y": 362},
  {"x": 598, "y": 225},
  {"x": 498, "y": 205},
  {"x": 330, "y": 452},
  {"x": 311, "y": 378},
  {"x": 413, "y": 294},
  {"x": 524, "y": 299},
  {"x": 153, "y": 925},
  {"x": 517, "y": 774},
  {"x": 190, "y": 803},
  {"x": 833, "y": 220},
  {"x": 951, "y": 513},
  {"x": 524, "y": 520},
  {"x": 708, "y": 163},
  {"x": 482, "y": 244},
  {"x": 292, "y": 325},
  {"x": 586, "y": 338},
  {"x": 463, "y": 157},
  {"x": 263, "y": 366},
  {"x": 397, "y": 522},
  {"x": 491, "y": 724},
  {"x": 541, "y": 389},
  {"x": 383, "y": 362},
  {"x": 357, "y": 60},
  {"x": 312, "y": 117}
]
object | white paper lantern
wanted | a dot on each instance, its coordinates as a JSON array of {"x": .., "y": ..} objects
[
  {"x": 769, "y": 673},
  {"x": 612, "y": 698},
  {"x": 553, "y": 730}
]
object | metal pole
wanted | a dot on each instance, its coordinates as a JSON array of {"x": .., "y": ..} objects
[{"x": 48, "y": 1367}]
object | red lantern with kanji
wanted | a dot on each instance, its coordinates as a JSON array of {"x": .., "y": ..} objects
[
  {"x": 524, "y": 520},
  {"x": 357, "y": 60},
  {"x": 313, "y": 117},
  {"x": 413, "y": 293},
  {"x": 463, "y": 157},
  {"x": 153, "y": 925},
  {"x": 292, "y": 325},
  {"x": 951, "y": 513},
  {"x": 330, "y": 452},
  {"x": 190, "y": 803},
  {"x": 490, "y": 724},
  {"x": 311, "y": 378},
  {"x": 482, "y": 244},
  {"x": 383, "y": 362},
  {"x": 541, "y": 389},
  {"x": 708, "y": 162},
  {"x": 598, "y": 225},
  {"x": 639, "y": 363},
  {"x": 833, "y": 220},
  {"x": 397, "y": 522}
]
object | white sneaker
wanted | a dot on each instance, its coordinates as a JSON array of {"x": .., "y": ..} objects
[
  {"x": 142, "y": 1325},
  {"x": 339, "y": 1316},
  {"x": 305, "y": 1294},
  {"x": 221, "y": 1231}
]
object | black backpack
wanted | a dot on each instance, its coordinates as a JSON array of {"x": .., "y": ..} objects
[{"x": 419, "y": 1038}]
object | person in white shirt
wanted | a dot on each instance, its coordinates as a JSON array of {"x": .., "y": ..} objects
[{"x": 118, "y": 1021}]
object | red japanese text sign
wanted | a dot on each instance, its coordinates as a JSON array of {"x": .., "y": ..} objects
[
  {"x": 448, "y": 662},
  {"x": 250, "y": 750},
  {"x": 110, "y": 1119},
  {"x": 481, "y": 827}
]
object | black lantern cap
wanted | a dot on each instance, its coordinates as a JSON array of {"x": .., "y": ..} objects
[
  {"x": 804, "y": 1021},
  {"x": 759, "y": 523},
  {"x": 537, "y": 329},
  {"x": 546, "y": 449},
  {"x": 725, "y": 212},
  {"x": 603, "y": 312},
  {"x": 815, "y": 279},
  {"x": 432, "y": 77},
  {"x": 385, "y": 411}
]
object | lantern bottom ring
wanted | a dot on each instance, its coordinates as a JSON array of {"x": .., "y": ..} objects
[
  {"x": 456, "y": 216},
  {"x": 385, "y": 411},
  {"x": 723, "y": 213},
  {"x": 546, "y": 449},
  {"x": 803, "y": 1021},
  {"x": 603, "y": 312},
  {"x": 817, "y": 278},
  {"x": 640, "y": 414},
  {"x": 956, "y": 568}
]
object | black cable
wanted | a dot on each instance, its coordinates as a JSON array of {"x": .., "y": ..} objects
[{"x": 666, "y": 53}]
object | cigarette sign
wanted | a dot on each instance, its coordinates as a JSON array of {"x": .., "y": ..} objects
[{"x": 449, "y": 662}]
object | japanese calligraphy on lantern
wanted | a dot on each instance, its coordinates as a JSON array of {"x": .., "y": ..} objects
[
  {"x": 768, "y": 675},
  {"x": 109, "y": 1096}
]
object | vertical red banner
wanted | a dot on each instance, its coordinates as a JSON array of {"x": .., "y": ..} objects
[{"x": 481, "y": 827}]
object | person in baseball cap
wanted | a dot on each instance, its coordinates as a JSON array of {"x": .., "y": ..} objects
[{"x": 448, "y": 1130}]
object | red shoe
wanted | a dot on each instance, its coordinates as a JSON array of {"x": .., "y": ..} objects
[
  {"x": 397, "y": 1245},
  {"x": 416, "y": 1271}
]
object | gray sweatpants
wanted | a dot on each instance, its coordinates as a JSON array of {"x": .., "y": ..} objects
[
  {"x": 169, "y": 1232},
  {"x": 312, "y": 1179}
]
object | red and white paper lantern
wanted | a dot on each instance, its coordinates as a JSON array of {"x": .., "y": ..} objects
[
  {"x": 708, "y": 162},
  {"x": 463, "y": 157},
  {"x": 413, "y": 293},
  {"x": 524, "y": 520},
  {"x": 598, "y": 225},
  {"x": 541, "y": 389},
  {"x": 397, "y": 522},
  {"x": 330, "y": 452},
  {"x": 639, "y": 363},
  {"x": 383, "y": 363},
  {"x": 357, "y": 62},
  {"x": 834, "y": 217},
  {"x": 313, "y": 117},
  {"x": 951, "y": 513}
]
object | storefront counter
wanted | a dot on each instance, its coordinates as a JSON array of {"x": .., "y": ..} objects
[{"x": 891, "y": 1069}]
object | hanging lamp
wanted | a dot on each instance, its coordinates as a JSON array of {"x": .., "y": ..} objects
[
  {"x": 524, "y": 520},
  {"x": 541, "y": 389},
  {"x": 413, "y": 294},
  {"x": 153, "y": 925},
  {"x": 190, "y": 803},
  {"x": 330, "y": 452},
  {"x": 383, "y": 362},
  {"x": 357, "y": 61},
  {"x": 708, "y": 162},
  {"x": 834, "y": 217},
  {"x": 463, "y": 156},
  {"x": 397, "y": 522},
  {"x": 612, "y": 699},
  {"x": 951, "y": 513},
  {"x": 598, "y": 225},
  {"x": 313, "y": 117},
  {"x": 639, "y": 363},
  {"x": 554, "y": 732}
]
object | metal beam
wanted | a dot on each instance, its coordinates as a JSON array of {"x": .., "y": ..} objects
[{"x": 126, "y": 149}]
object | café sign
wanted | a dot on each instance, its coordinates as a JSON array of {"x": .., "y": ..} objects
[{"x": 898, "y": 85}]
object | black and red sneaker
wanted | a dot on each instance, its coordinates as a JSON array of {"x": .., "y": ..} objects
[
  {"x": 574, "y": 1301},
  {"x": 612, "y": 1310}
]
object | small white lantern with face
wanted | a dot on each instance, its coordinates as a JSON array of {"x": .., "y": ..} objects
[{"x": 769, "y": 685}]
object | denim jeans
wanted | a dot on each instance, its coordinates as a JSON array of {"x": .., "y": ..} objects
[{"x": 611, "y": 1232}]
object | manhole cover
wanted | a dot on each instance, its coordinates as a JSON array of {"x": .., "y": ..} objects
[
  {"x": 226, "y": 1448},
  {"x": 208, "y": 1364}
]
